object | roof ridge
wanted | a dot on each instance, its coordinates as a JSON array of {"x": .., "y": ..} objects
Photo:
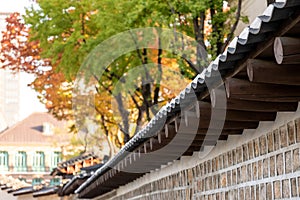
[{"x": 10, "y": 130}]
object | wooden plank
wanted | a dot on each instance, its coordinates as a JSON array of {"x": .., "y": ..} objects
[
  {"x": 223, "y": 132},
  {"x": 243, "y": 89},
  {"x": 216, "y": 124},
  {"x": 259, "y": 106},
  {"x": 286, "y": 50},
  {"x": 203, "y": 131},
  {"x": 196, "y": 137},
  {"x": 261, "y": 71},
  {"x": 237, "y": 115},
  {"x": 248, "y": 116}
]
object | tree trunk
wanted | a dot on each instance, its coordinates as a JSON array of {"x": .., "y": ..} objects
[
  {"x": 198, "y": 22},
  {"x": 124, "y": 114}
]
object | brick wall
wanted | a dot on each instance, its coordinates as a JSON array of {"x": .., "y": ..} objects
[{"x": 264, "y": 167}]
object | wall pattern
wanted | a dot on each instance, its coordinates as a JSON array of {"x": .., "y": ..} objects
[{"x": 267, "y": 167}]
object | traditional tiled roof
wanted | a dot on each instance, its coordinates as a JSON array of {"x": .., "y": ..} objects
[
  {"x": 45, "y": 191},
  {"x": 73, "y": 184},
  {"x": 25, "y": 190},
  {"x": 79, "y": 158},
  {"x": 77, "y": 180},
  {"x": 3, "y": 125},
  {"x": 30, "y": 131},
  {"x": 12, "y": 183},
  {"x": 60, "y": 169}
]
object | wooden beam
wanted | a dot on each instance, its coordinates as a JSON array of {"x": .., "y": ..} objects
[
  {"x": 190, "y": 151},
  {"x": 197, "y": 137},
  {"x": 215, "y": 124},
  {"x": 176, "y": 147},
  {"x": 248, "y": 116},
  {"x": 203, "y": 131},
  {"x": 285, "y": 27},
  {"x": 242, "y": 74},
  {"x": 193, "y": 144},
  {"x": 260, "y": 71},
  {"x": 286, "y": 50},
  {"x": 243, "y": 89},
  {"x": 237, "y": 115},
  {"x": 217, "y": 132},
  {"x": 231, "y": 115},
  {"x": 258, "y": 106}
]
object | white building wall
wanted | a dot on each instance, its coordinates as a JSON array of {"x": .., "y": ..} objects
[{"x": 251, "y": 9}]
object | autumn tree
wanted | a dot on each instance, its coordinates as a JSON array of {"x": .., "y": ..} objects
[
  {"x": 19, "y": 53},
  {"x": 66, "y": 32}
]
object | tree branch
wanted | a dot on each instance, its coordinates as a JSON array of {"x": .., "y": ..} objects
[
  {"x": 158, "y": 79},
  {"x": 233, "y": 28}
]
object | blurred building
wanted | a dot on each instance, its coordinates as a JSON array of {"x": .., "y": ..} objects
[
  {"x": 9, "y": 87},
  {"x": 32, "y": 148},
  {"x": 15, "y": 95}
]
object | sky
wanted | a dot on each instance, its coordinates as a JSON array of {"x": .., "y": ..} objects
[
  {"x": 28, "y": 95},
  {"x": 13, "y": 5}
]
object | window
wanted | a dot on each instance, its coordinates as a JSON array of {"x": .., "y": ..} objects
[
  {"x": 20, "y": 162},
  {"x": 22, "y": 179},
  {"x": 55, "y": 159},
  {"x": 3, "y": 161},
  {"x": 37, "y": 181},
  {"x": 38, "y": 161},
  {"x": 55, "y": 182}
]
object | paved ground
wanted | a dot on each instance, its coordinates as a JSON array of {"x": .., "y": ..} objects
[{"x": 5, "y": 196}]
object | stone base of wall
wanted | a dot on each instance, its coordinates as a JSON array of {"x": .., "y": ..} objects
[{"x": 265, "y": 167}]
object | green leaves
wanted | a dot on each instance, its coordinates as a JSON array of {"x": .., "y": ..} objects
[
  {"x": 68, "y": 31},
  {"x": 245, "y": 19}
]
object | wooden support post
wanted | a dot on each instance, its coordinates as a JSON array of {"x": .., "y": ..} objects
[
  {"x": 159, "y": 137},
  {"x": 151, "y": 143},
  {"x": 286, "y": 50},
  {"x": 176, "y": 125},
  {"x": 260, "y": 71},
  {"x": 145, "y": 148},
  {"x": 197, "y": 109},
  {"x": 166, "y": 131}
]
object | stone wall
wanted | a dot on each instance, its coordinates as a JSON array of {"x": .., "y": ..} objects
[{"x": 263, "y": 167}]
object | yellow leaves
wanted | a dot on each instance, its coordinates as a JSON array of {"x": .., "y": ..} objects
[
  {"x": 120, "y": 137},
  {"x": 94, "y": 12},
  {"x": 49, "y": 104},
  {"x": 226, "y": 7}
]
